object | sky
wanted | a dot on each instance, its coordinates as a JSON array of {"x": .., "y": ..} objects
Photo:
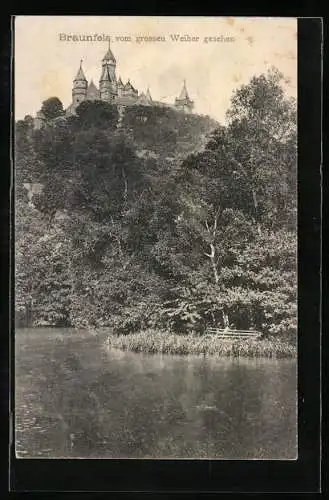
[{"x": 46, "y": 59}]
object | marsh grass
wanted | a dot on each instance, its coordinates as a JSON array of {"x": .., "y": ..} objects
[{"x": 160, "y": 342}]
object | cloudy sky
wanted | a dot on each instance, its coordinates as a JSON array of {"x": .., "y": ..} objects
[{"x": 45, "y": 65}]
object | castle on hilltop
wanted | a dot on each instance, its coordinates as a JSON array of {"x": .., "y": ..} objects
[{"x": 113, "y": 90}]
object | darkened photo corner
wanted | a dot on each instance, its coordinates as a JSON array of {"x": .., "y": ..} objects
[{"x": 155, "y": 237}]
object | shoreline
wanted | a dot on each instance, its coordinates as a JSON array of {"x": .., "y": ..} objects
[
  {"x": 162, "y": 342},
  {"x": 156, "y": 342}
]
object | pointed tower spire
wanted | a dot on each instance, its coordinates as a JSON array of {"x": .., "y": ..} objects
[
  {"x": 148, "y": 94},
  {"x": 184, "y": 94},
  {"x": 109, "y": 54},
  {"x": 183, "y": 101},
  {"x": 79, "y": 90},
  {"x": 80, "y": 73}
]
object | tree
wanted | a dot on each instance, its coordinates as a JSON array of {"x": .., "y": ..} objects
[
  {"x": 97, "y": 114},
  {"x": 236, "y": 194},
  {"x": 166, "y": 132},
  {"x": 52, "y": 108},
  {"x": 262, "y": 148},
  {"x": 43, "y": 276}
]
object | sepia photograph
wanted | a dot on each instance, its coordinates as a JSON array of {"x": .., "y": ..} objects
[{"x": 155, "y": 237}]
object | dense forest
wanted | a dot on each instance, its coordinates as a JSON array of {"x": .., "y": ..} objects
[{"x": 157, "y": 219}]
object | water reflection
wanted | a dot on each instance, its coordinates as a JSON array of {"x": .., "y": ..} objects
[{"x": 76, "y": 397}]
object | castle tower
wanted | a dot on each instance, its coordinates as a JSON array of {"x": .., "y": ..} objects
[
  {"x": 108, "y": 84},
  {"x": 79, "y": 90},
  {"x": 183, "y": 101}
]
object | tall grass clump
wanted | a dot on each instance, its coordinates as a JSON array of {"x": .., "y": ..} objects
[{"x": 161, "y": 342}]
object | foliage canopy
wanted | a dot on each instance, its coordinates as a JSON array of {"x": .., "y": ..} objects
[{"x": 152, "y": 218}]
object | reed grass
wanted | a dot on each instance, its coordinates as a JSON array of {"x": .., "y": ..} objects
[{"x": 160, "y": 342}]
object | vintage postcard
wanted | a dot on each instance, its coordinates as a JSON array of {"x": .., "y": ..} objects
[{"x": 155, "y": 237}]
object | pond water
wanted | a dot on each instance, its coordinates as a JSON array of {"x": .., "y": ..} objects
[{"x": 77, "y": 398}]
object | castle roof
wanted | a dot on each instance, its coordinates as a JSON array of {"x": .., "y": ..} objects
[
  {"x": 183, "y": 96},
  {"x": 148, "y": 95},
  {"x": 120, "y": 83},
  {"x": 128, "y": 86},
  {"x": 92, "y": 91},
  {"x": 106, "y": 75},
  {"x": 80, "y": 73},
  {"x": 109, "y": 55},
  {"x": 91, "y": 85}
]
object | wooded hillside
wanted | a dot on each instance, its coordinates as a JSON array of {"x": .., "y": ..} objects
[{"x": 161, "y": 220}]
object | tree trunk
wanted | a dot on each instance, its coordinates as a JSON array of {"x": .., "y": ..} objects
[
  {"x": 216, "y": 277},
  {"x": 255, "y": 201},
  {"x": 211, "y": 256},
  {"x": 125, "y": 192}
]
